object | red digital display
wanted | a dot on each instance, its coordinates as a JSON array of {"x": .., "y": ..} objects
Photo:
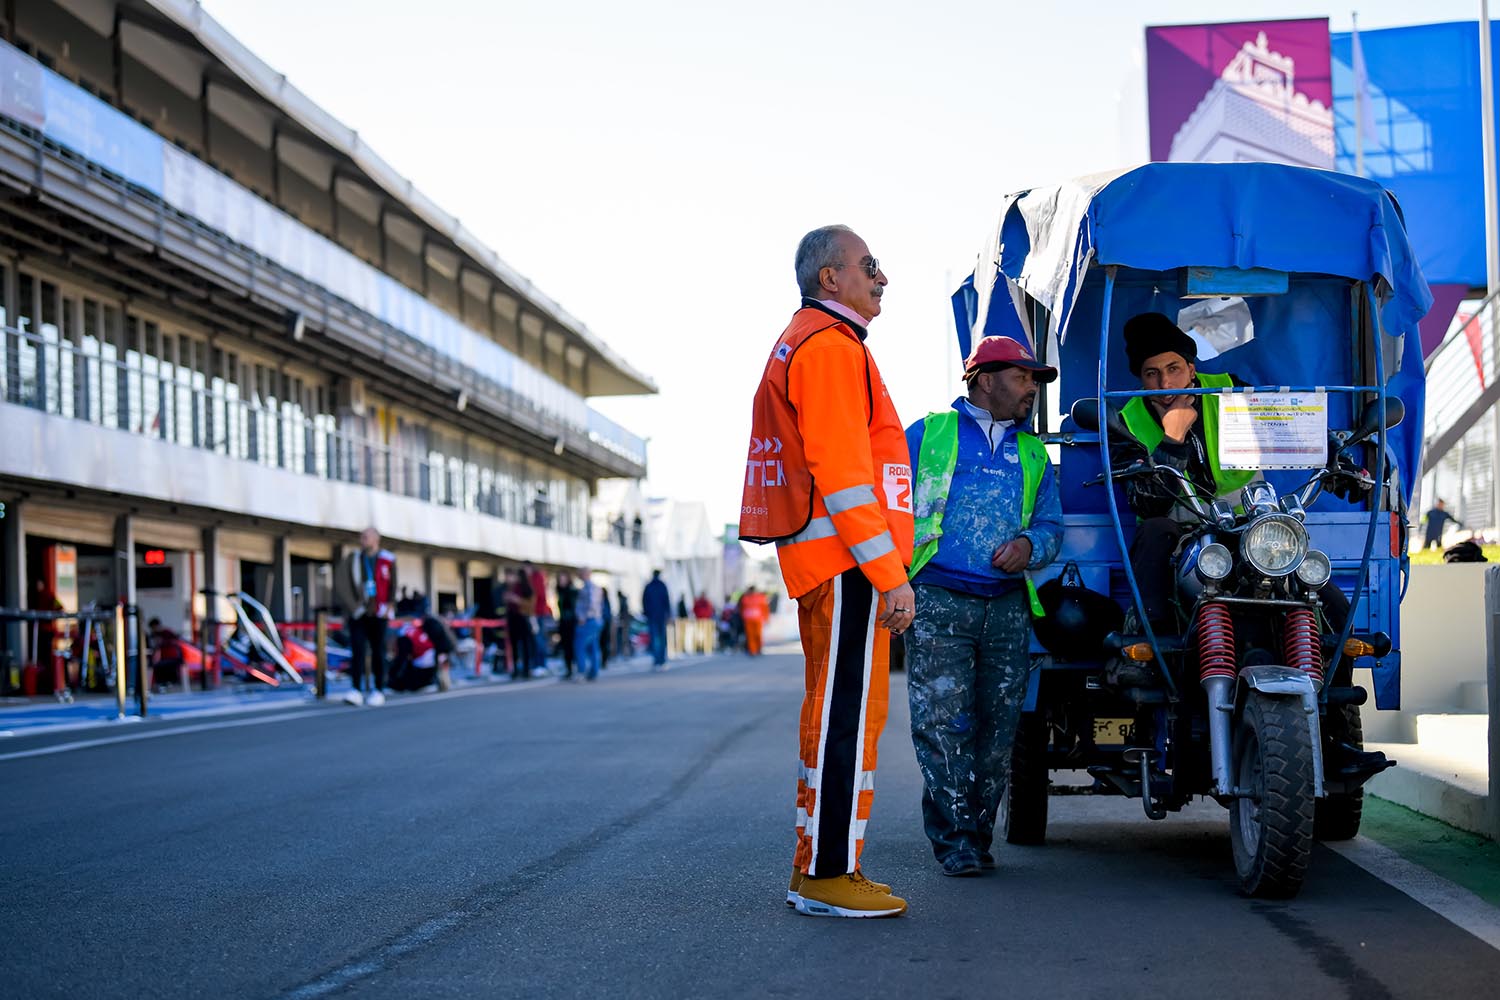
[{"x": 155, "y": 557}]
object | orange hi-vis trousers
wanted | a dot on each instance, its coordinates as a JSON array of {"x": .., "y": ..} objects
[
  {"x": 753, "y": 630},
  {"x": 843, "y": 711}
]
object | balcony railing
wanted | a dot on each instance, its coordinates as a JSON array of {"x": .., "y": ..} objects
[
  {"x": 176, "y": 405},
  {"x": 35, "y": 98}
]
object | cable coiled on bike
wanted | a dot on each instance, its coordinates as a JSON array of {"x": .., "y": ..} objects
[
  {"x": 1215, "y": 634},
  {"x": 1302, "y": 645}
]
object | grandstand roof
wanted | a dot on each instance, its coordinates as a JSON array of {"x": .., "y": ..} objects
[{"x": 273, "y": 87}]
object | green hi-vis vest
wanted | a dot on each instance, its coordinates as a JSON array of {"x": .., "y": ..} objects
[
  {"x": 934, "y": 473},
  {"x": 1149, "y": 432}
]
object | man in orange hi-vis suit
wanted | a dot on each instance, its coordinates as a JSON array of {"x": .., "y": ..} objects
[
  {"x": 828, "y": 479},
  {"x": 755, "y": 608}
]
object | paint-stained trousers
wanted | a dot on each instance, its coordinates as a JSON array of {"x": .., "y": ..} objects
[
  {"x": 843, "y": 711},
  {"x": 966, "y": 669}
]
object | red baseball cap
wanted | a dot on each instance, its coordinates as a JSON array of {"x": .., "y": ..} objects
[{"x": 1004, "y": 350}]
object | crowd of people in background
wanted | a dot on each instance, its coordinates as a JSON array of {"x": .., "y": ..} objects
[{"x": 398, "y": 642}]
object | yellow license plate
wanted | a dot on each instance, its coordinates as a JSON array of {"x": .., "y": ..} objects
[{"x": 1113, "y": 732}]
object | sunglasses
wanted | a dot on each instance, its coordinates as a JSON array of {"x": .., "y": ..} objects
[{"x": 869, "y": 265}]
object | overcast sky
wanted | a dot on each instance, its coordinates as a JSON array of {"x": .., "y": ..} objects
[{"x": 651, "y": 165}]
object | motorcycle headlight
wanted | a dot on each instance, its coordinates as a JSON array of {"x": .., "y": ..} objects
[
  {"x": 1214, "y": 562},
  {"x": 1315, "y": 569},
  {"x": 1275, "y": 544}
]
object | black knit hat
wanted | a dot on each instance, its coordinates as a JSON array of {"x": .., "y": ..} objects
[{"x": 1150, "y": 334}]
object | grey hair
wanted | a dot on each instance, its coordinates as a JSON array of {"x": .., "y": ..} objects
[{"x": 817, "y": 250}]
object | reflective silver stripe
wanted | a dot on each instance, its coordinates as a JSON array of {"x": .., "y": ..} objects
[
  {"x": 818, "y": 527},
  {"x": 822, "y": 527},
  {"x": 873, "y": 548},
  {"x": 813, "y": 776},
  {"x": 854, "y": 496}
]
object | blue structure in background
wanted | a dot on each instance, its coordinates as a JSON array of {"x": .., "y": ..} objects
[{"x": 1424, "y": 89}]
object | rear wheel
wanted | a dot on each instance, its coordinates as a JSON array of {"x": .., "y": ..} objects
[
  {"x": 1271, "y": 826},
  {"x": 1337, "y": 816},
  {"x": 1023, "y": 808}
]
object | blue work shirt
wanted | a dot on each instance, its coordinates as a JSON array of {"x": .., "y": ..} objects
[{"x": 984, "y": 509}]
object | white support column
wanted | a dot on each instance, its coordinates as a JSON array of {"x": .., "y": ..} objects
[
  {"x": 124, "y": 559},
  {"x": 281, "y": 580},
  {"x": 429, "y": 583},
  {"x": 212, "y": 587},
  {"x": 13, "y": 576}
]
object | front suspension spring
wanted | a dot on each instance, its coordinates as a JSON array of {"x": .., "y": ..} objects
[
  {"x": 1302, "y": 645},
  {"x": 1215, "y": 633}
]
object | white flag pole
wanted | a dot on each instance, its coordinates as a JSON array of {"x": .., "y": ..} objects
[{"x": 1360, "y": 96}]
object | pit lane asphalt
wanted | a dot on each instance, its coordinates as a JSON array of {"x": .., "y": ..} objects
[{"x": 626, "y": 838}]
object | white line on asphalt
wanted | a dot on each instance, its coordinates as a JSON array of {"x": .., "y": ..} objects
[
  {"x": 332, "y": 708},
  {"x": 1447, "y": 899},
  {"x": 258, "y": 720},
  {"x": 309, "y": 712}
]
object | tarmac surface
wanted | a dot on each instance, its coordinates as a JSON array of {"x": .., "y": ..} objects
[{"x": 629, "y": 838}]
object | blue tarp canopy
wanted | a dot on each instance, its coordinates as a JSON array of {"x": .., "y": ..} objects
[
  {"x": 1163, "y": 216},
  {"x": 1322, "y": 227}
]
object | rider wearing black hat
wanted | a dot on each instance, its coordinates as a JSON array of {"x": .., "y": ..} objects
[{"x": 1180, "y": 432}]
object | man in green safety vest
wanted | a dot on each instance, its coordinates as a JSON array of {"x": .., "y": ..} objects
[
  {"x": 987, "y": 512},
  {"x": 1181, "y": 432}
]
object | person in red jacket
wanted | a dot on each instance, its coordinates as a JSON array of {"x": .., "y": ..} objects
[{"x": 828, "y": 478}]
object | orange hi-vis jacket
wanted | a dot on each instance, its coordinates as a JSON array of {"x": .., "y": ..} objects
[{"x": 828, "y": 474}]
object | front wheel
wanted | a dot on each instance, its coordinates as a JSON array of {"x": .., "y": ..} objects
[
  {"x": 1271, "y": 825},
  {"x": 1023, "y": 807}
]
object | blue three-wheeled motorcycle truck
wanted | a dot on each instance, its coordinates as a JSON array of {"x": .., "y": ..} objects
[{"x": 1301, "y": 293}]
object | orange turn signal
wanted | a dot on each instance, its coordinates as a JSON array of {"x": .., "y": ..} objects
[
  {"x": 1138, "y": 651},
  {"x": 1358, "y": 647}
]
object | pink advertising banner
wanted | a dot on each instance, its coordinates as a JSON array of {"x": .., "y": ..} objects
[{"x": 1254, "y": 90}]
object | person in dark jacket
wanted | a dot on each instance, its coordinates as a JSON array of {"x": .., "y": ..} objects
[
  {"x": 567, "y": 619},
  {"x": 657, "y": 604},
  {"x": 1437, "y": 523},
  {"x": 519, "y": 599}
]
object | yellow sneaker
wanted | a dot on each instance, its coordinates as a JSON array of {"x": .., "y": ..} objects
[
  {"x": 793, "y": 890},
  {"x": 850, "y": 895}
]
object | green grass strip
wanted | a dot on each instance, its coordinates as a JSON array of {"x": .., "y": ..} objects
[
  {"x": 1465, "y": 858},
  {"x": 1431, "y": 557}
]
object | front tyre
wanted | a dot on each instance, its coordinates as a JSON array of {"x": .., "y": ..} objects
[
  {"x": 1271, "y": 825},
  {"x": 1023, "y": 807}
]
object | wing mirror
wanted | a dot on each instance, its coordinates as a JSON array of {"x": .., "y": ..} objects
[
  {"x": 1371, "y": 417},
  {"x": 1085, "y": 413}
]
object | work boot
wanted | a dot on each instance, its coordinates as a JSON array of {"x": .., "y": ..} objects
[
  {"x": 850, "y": 895},
  {"x": 793, "y": 890},
  {"x": 962, "y": 864}
]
